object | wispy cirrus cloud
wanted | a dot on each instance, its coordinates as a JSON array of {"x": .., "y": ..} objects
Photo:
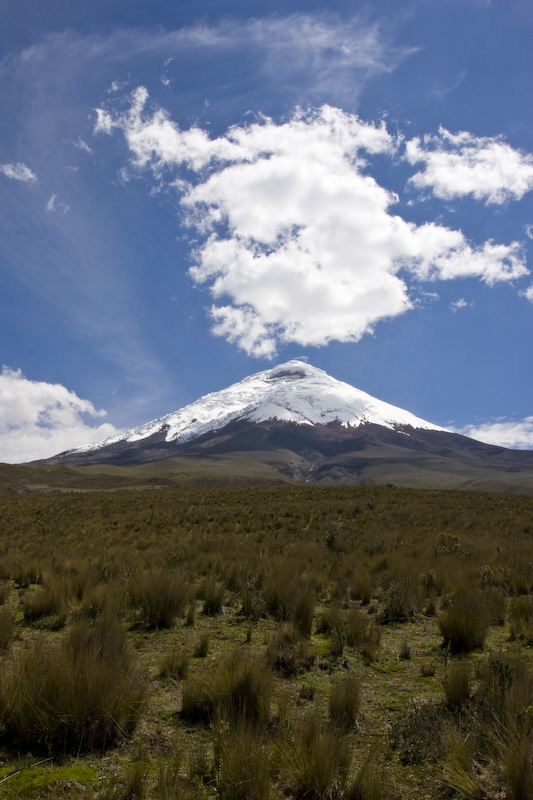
[
  {"x": 18, "y": 172},
  {"x": 39, "y": 420},
  {"x": 516, "y": 434},
  {"x": 457, "y": 165},
  {"x": 299, "y": 243},
  {"x": 528, "y": 293},
  {"x": 457, "y": 305},
  {"x": 324, "y": 53},
  {"x": 54, "y": 205}
]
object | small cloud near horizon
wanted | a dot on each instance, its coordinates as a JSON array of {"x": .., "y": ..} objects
[{"x": 39, "y": 420}]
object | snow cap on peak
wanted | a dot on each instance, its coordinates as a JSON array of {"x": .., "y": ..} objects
[
  {"x": 291, "y": 392},
  {"x": 294, "y": 370}
]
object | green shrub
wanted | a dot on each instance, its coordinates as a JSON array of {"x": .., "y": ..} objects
[
  {"x": 344, "y": 701},
  {"x": 85, "y": 694},
  {"x": 464, "y": 622},
  {"x": 418, "y": 733}
]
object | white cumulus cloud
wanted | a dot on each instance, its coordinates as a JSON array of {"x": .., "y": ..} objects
[
  {"x": 456, "y": 165},
  {"x": 18, "y": 172},
  {"x": 39, "y": 420},
  {"x": 298, "y": 242},
  {"x": 516, "y": 434}
]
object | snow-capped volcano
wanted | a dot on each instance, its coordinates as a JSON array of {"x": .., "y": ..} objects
[
  {"x": 295, "y": 423},
  {"x": 292, "y": 392}
]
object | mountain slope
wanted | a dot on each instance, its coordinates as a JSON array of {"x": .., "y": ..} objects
[
  {"x": 293, "y": 392},
  {"x": 300, "y": 424}
]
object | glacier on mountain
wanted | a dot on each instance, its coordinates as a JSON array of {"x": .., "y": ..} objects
[{"x": 291, "y": 392}]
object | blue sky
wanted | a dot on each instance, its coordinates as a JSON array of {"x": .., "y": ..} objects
[{"x": 191, "y": 192}]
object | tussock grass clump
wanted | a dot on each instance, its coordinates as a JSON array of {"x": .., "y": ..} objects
[
  {"x": 239, "y": 690},
  {"x": 457, "y": 684},
  {"x": 202, "y": 648},
  {"x": 504, "y": 695},
  {"x": 521, "y": 618},
  {"x": 131, "y": 784},
  {"x": 331, "y": 619},
  {"x": 212, "y": 593},
  {"x": 369, "y": 784},
  {"x": 244, "y": 763},
  {"x": 405, "y": 651},
  {"x": 304, "y": 608},
  {"x": 288, "y": 653},
  {"x": 85, "y": 694},
  {"x": 363, "y": 634},
  {"x": 7, "y": 627},
  {"x": 48, "y": 602},
  {"x": 25, "y": 573},
  {"x": 362, "y": 587},
  {"x": 5, "y": 591},
  {"x": 464, "y": 622},
  {"x": 159, "y": 596},
  {"x": 458, "y": 767},
  {"x": 344, "y": 701},
  {"x": 357, "y": 626},
  {"x": 279, "y": 591},
  {"x": 400, "y": 601},
  {"x": 519, "y": 770},
  {"x": 315, "y": 763},
  {"x": 174, "y": 664},
  {"x": 169, "y": 784},
  {"x": 110, "y": 599}
]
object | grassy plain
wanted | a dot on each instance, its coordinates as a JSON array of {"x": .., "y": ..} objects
[{"x": 265, "y": 642}]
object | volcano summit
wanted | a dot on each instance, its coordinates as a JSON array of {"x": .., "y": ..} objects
[{"x": 306, "y": 426}]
